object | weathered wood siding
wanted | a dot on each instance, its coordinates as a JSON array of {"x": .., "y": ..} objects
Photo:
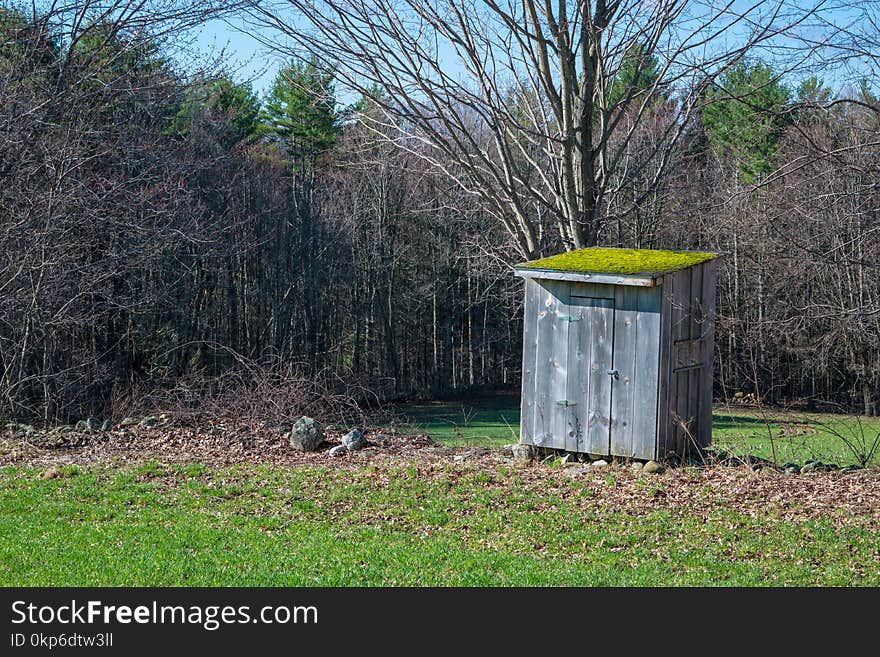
[
  {"x": 636, "y": 359},
  {"x": 686, "y": 354},
  {"x": 660, "y": 341},
  {"x": 707, "y": 337}
]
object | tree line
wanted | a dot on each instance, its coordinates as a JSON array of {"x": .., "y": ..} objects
[{"x": 162, "y": 227}]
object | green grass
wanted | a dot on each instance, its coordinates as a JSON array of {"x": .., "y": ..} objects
[
  {"x": 174, "y": 525},
  {"x": 794, "y": 437},
  {"x": 484, "y": 422}
]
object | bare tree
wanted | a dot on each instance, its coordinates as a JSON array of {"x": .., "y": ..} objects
[{"x": 515, "y": 99}]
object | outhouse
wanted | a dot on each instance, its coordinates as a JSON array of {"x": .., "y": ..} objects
[{"x": 618, "y": 351}]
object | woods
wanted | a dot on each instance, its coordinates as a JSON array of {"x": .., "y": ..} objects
[{"x": 162, "y": 228}]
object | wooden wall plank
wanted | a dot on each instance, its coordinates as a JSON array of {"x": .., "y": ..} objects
[
  {"x": 694, "y": 375},
  {"x": 624, "y": 361},
  {"x": 665, "y": 377},
  {"x": 707, "y": 331},
  {"x": 578, "y": 382},
  {"x": 680, "y": 331},
  {"x": 599, "y": 386},
  {"x": 547, "y": 371},
  {"x": 530, "y": 348},
  {"x": 646, "y": 371},
  {"x": 558, "y": 382}
]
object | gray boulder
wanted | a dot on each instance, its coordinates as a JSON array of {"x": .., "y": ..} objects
[
  {"x": 523, "y": 452},
  {"x": 106, "y": 425},
  {"x": 354, "y": 440},
  {"x": 653, "y": 467},
  {"x": 128, "y": 422},
  {"x": 339, "y": 450},
  {"x": 149, "y": 421},
  {"x": 306, "y": 435}
]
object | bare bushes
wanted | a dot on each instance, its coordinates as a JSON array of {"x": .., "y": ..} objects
[{"x": 270, "y": 391}]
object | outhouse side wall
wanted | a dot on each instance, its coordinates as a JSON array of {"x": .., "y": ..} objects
[{"x": 686, "y": 359}]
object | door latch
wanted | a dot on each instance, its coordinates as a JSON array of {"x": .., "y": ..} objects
[
  {"x": 565, "y": 402},
  {"x": 614, "y": 374}
]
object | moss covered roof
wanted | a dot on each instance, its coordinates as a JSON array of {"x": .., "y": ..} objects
[{"x": 625, "y": 262}]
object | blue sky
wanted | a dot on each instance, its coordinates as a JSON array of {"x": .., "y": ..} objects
[{"x": 247, "y": 59}]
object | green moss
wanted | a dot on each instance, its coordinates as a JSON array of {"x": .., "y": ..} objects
[{"x": 619, "y": 261}]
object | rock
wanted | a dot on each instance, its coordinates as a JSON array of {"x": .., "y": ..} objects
[
  {"x": 507, "y": 449},
  {"x": 458, "y": 458},
  {"x": 601, "y": 463},
  {"x": 523, "y": 452},
  {"x": 576, "y": 471},
  {"x": 106, "y": 425},
  {"x": 306, "y": 435},
  {"x": 94, "y": 424},
  {"x": 636, "y": 466},
  {"x": 82, "y": 425},
  {"x": 166, "y": 418},
  {"x": 128, "y": 422},
  {"x": 149, "y": 421},
  {"x": 51, "y": 473},
  {"x": 339, "y": 450},
  {"x": 354, "y": 439},
  {"x": 851, "y": 468},
  {"x": 791, "y": 466},
  {"x": 653, "y": 467},
  {"x": 809, "y": 467},
  {"x": 383, "y": 439}
]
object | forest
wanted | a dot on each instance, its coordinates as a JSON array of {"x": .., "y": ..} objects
[{"x": 171, "y": 238}]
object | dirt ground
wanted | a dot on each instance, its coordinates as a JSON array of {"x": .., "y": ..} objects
[{"x": 846, "y": 497}]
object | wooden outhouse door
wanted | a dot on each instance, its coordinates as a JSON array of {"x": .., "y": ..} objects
[
  {"x": 573, "y": 396},
  {"x": 595, "y": 375}
]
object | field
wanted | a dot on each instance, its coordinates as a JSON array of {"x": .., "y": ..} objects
[
  {"x": 160, "y": 524},
  {"x": 237, "y": 507}
]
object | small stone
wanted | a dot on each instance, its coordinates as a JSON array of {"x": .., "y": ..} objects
[
  {"x": 82, "y": 425},
  {"x": 93, "y": 424},
  {"x": 383, "y": 439},
  {"x": 600, "y": 463},
  {"x": 51, "y": 473},
  {"x": 653, "y": 467},
  {"x": 149, "y": 421},
  {"x": 791, "y": 466},
  {"x": 306, "y": 435},
  {"x": 523, "y": 453},
  {"x": 576, "y": 471},
  {"x": 791, "y": 471},
  {"x": 106, "y": 425},
  {"x": 128, "y": 422},
  {"x": 354, "y": 439},
  {"x": 851, "y": 468},
  {"x": 339, "y": 450},
  {"x": 636, "y": 466},
  {"x": 507, "y": 449},
  {"x": 809, "y": 467}
]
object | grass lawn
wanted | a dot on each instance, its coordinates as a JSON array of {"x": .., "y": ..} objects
[
  {"x": 790, "y": 436},
  {"x": 315, "y": 525}
]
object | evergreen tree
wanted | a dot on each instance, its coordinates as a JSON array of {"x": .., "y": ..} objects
[{"x": 745, "y": 116}]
